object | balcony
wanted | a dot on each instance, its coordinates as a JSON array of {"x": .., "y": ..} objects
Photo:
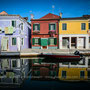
[
  {"x": 36, "y": 32},
  {"x": 52, "y": 33}
]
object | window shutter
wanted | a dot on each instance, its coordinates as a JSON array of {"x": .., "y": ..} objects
[
  {"x": 39, "y": 41},
  {"x": 33, "y": 41},
  {"x": 48, "y": 41},
  {"x": 14, "y": 41},
  {"x": 55, "y": 26},
  {"x": 39, "y": 27},
  {"x": 89, "y": 26},
  {"x": 55, "y": 41},
  {"x": 13, "y": 23},
  {"x": 33, "y": 27},
  {"x": 49, "y": 27}
]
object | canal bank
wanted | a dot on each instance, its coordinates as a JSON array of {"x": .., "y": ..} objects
[{"x": 36, "y": 52}]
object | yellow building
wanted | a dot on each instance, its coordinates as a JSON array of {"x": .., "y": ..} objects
[
  {"x": 74, "y": 33},
  {"x": 66, "y": 73}
]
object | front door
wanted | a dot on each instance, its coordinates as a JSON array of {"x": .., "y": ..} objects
[
  {"x": 44, "y": 43},
  {"x": 4, "y": 44}
]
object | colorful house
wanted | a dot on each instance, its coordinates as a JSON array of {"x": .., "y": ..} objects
[
  {"x": 14, "y": 32},
  {"x": 44, "y": 32},
  {"x": 74, "y": 33}
]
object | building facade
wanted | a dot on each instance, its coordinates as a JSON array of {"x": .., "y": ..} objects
[
  {"x": 14, "y": 32},
  {"x": 44, "y": 32},
  {"x": 74, "y": 33}
]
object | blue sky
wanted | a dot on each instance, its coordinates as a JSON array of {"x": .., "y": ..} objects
[{"x": 69, "y": 8}]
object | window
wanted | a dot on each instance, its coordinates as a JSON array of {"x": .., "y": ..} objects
[
  {"x": 64, "y": 26},
  {"x": 36, "y": 41},
  {"x": 83, "y": 26},
  {"x": 36, "y": 26},
  {"x": 82, "y": 74},
  {"x": 63, "y": 74},
  {"x": 13, "y": 41},
  {"x": 22, "y": 41},
  {"x": 14, "y": 63},
  {"x": 52, "y": 41},
  {"x": 89, "y": 39},
  {"x": 14, "y": 23},
  {"x": 52, "y": 26},
  {"x": 89, "y": 26},
  {"x": 21, "y": 26}
]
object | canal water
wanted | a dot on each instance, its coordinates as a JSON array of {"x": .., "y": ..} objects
[{"x": 39, "y": 73}]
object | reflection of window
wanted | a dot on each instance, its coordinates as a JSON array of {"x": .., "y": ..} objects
[
  {"x": 63, "y": 74},
  {"x": 88, "y": 61},
  {"x": 14, "y": 63},
  {"x": 13, "y": 41},
  {"x": 82, "y": 74},
  {"x": 83, "y": 26}
]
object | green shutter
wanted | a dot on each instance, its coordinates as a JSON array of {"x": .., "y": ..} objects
[
  {"x": 13, "y": 23},
  {"x": 33, "y": 41},
  {"x": 49, "y": 27},
  {"x": 39, "y": 27},
  {"x": 39, "y": 41},
  {"x": 14, "y": 41},
  {"x": 48, "y": 41},
  {"x": 33, "y": 27},
  {"x": 55, "y": 41}
]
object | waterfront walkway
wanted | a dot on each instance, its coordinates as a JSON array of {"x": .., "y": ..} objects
[{"x": 31, "y": 52}]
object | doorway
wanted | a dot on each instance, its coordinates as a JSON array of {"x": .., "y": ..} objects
[{"x": 4, "y": 44}]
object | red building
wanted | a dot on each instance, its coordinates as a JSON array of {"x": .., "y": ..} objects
[{"x": 45, "y": 32}]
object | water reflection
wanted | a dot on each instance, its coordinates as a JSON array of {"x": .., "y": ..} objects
[
  {"x": 13, "y": 71},
  {"x": 18, "y": 71}
]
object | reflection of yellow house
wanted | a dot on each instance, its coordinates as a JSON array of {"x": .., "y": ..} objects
[
  {"x": 66, "y": 73},
  {"x": 73, "y": 32}
]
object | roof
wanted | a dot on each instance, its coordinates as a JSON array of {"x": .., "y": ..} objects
[
  {"x": 3, "y": 13},
  {"x": 84, "y": 17},
  {"x": 49, "y": 16}
]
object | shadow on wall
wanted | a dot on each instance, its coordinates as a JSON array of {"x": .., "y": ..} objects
[{"x": 29, "y": 35}]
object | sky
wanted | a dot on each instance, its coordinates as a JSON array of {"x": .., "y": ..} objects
[{"x": 69, "y": 8}]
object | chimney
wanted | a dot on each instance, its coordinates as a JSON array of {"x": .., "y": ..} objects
[
  {"x": 32, "y": 16},
  {"x": 61, "y": 15}
]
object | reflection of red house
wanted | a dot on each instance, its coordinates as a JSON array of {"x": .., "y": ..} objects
[{"x": 44, "y": 32}]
